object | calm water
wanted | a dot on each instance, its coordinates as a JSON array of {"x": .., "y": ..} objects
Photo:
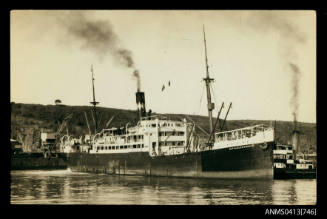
[{"x": 66, "y": 187}]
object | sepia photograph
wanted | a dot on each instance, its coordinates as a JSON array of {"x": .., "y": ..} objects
[{"x": 163, "y": 107}]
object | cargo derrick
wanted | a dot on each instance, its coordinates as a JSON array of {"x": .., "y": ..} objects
[
  {"x": 222, "y": 126},
  {"x": 217, "y": 121}
]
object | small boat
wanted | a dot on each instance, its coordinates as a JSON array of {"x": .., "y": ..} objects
[{"x": 286, "y": 166}]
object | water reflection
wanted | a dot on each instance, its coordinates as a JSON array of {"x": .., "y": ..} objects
[
  {"x": 295, "y": 192},
  {"x": 65, "y": 187}
]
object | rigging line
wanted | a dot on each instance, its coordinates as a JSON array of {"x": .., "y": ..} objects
[
  {"x": 214, "y": 95},
  {"x": 201, "y": 100}
]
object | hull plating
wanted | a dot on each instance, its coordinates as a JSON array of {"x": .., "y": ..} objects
[{"x": 253, "y": 161}]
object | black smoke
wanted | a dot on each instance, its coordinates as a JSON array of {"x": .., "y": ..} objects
[
  {"x": 98, "y": 36},
  {"x": 291, "y": 37},
  {"x": 137, "y": 75},
  {"x": 294, "y": 102}
]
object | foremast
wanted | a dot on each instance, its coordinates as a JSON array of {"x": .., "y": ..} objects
[
  {"x": 208, "y": 80},
  {"x": 94, "y": 103}
]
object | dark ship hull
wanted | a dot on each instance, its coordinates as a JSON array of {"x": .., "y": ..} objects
[
  {"x": 252, "y": 161},
  {"x": 284, "y": 173}
]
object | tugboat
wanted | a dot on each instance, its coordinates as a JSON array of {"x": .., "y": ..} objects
[
  {"x": 288, "y": 166},
  {"x": 159, "y": 146}
]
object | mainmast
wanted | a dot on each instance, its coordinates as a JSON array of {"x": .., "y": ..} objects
[
  {"x": 94, "y": 103},
  {"x": 208, "y": 80}
]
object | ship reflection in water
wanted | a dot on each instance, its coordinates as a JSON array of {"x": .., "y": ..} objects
[{"x": 66, "y": 187}]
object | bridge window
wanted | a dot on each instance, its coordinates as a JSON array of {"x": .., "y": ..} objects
[{"x": 279, "y": 156}]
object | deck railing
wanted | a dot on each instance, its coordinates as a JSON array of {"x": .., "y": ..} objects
[{"x": 248, "y": 135}]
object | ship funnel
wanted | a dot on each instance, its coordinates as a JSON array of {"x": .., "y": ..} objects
[
  {"x": 140, "y": 102},
  {"x": 295, "y": 138}
]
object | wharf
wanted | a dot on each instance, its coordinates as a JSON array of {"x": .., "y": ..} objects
[{"x": 36, "y": 161}]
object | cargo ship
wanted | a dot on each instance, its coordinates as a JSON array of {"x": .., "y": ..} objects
[{"x": 160, "y": 146}]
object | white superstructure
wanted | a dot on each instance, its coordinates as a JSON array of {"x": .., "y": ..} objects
[
  {"x": 161, "y": 136},
  {"x": 157, "y": 135},
  {"x": 248, "y": 136}
]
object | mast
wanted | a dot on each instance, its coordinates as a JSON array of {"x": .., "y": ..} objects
[
  {"x": 94, "y": 103},
  {"x": 208, "y": 80}
]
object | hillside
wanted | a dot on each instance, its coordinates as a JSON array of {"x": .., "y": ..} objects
[{"x": 28, "y": 120}]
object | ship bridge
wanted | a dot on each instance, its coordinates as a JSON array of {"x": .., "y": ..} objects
[
  {"x": 160, "y": 121},
  {"x": 111, "y": 131}
]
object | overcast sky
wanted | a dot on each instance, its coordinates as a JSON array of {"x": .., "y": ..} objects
[{"x": 262, "y": 61}]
